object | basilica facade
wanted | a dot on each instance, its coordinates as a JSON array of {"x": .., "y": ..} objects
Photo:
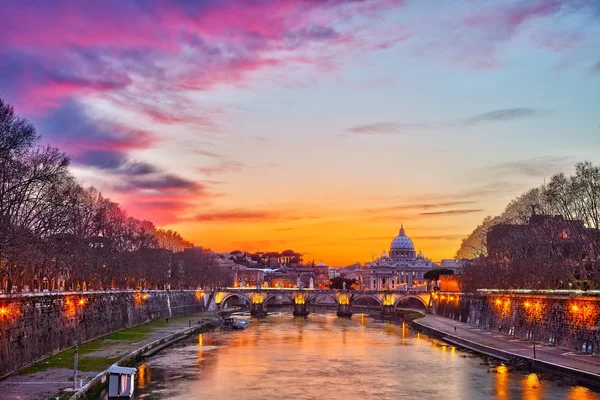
[{"x": 402, "y": 269}]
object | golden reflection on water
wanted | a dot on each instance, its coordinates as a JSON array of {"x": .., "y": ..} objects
[
  {"x": 338, "y": 359},
  {"x": 501, "y": 383},
  {"x": 143, "y": 376},
  {"x": 532, "y": 387},
  {"x": 582, "y": 393}
]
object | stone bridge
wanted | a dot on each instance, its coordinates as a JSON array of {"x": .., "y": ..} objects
[{"x": 302, "y": 298}]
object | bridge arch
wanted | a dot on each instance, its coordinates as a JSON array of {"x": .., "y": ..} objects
[
  {"x": 313, "y": 299},
  {"x": 240, "y": 296},
  {"x": 271, "y": 296},
  {"x": 369, "y": 296},
  {"x": 411, "y": 296}
]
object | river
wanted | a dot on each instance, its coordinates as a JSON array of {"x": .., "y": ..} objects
[{"x": 325, "y": 357}]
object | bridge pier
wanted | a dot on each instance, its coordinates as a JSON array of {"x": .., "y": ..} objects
[
  {"x": 300, "y": 310},
  {"x": 387, "y": 311},
  {"x": 344, "y": 311},
  {"x": 257, "y": 310}
]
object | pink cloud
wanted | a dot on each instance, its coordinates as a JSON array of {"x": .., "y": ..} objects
[{"x": 171, "y": 46}]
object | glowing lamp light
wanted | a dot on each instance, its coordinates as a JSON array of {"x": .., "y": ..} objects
[
  {"x": 574, "y": 308},
  {"x": 498, "y": 302},
  {"x": 527, "y": 304},
  {"x": 3, "y": 311},
  {"x": 343, "y": 300},
  {"x": 81, "y": 302},
  {"x": 388, "y": 301},
  {"x": 145, "y": 296},
  {"x": 257, "y": 298}
]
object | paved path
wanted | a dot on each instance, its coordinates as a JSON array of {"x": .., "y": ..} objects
[
  {"x": 47, "y": 383},
  {"x": 523, "y": 348}
]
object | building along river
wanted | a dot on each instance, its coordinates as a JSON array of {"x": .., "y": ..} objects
[{"x": 326, "y": 357}]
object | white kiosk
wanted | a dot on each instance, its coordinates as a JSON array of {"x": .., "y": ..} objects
[{"x": 120, "y": 382}]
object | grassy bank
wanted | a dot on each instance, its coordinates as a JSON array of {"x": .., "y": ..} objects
[{"x": 98, "y": 354}]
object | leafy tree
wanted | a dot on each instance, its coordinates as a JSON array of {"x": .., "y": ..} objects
[
  {"x": 561, "y": 252},
  {"x": 434, "y": 274},
  {"x": 338, "y": 283}
]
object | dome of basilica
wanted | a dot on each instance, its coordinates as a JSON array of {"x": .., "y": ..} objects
[
  {"x": 402, "y": 248},
  {"x": 402, "y": 242}
]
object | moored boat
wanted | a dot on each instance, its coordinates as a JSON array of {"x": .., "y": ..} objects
[{"x": 241, "y": 324}]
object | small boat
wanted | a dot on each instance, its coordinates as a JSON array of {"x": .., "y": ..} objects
[{"x": 241, "y": 324}]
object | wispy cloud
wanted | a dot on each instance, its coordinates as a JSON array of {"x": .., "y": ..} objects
[
  {"x": 385, "y": 128},
  {"x": 175, "y": 46},
  {"x": 438, "y": 237},
  {"x": 508, "y": 114},
  {"x": 422, "y": 206},
  {"x": 535, "y": 167},
  {"x": 266, "y": 214},
  {"x": 451, "y": 212},
  {"x": 474, "y": 35},
  {"x": 236, "y": 215},
  {"x": 223, "y": 167},
  {"x": 396, "y": 128}
]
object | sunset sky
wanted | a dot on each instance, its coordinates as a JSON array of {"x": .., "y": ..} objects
[{"x": 319, "y": 126}]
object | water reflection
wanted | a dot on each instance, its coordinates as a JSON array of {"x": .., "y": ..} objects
[
  {"x": 532, "y": 387},
  {"x": 501, "y": 382},
  {"x": 143, "y": 376},
  {"x": 331, "y": 358}
]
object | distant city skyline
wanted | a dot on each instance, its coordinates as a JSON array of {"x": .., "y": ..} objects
[{"x": 316, "y": 126}]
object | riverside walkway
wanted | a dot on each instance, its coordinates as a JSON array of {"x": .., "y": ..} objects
[
  {"x": 50, "y": 377},
  {"x": 580, "y": 366}
]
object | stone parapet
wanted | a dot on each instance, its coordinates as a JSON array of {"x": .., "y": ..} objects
[
  {"x": 569, "y": 320},
  {"x": 35, "y": 326}
]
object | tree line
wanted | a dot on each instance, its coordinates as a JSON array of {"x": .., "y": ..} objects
[
  {"x": 57, "y": 234},
  {"x": 558, "y": 249},
  {"x": 287, "y": 257}
]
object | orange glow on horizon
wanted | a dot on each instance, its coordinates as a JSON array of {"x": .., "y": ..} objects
[{"x": 329, "y": 235}]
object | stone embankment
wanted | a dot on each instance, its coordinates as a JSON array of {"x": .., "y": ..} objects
[
  {"x": 35, "y": 326},
  {"x": 564, "y": 319},
  {"x": 583, "y": 368}
]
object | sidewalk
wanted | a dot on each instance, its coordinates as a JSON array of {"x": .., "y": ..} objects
[
  {"x": 49, "y": 377},
  {"x": 511, "y": 346}
]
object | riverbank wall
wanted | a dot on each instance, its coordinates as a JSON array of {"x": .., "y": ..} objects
[
  {"x": 35, "y": 326},
  {"x": 511, "y": 358},
  {"x": 567, "y": 321}
]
